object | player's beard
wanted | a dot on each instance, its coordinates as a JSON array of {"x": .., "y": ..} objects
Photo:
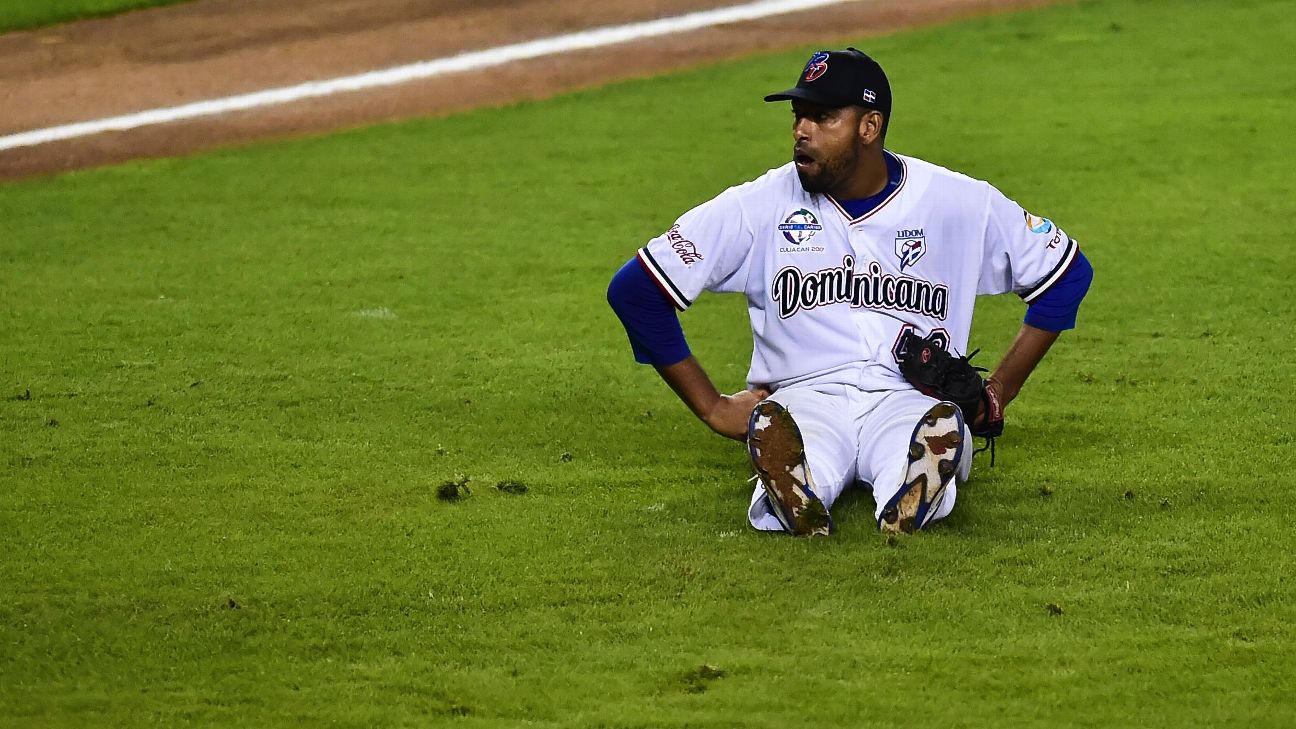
[{"x": 823, "y": 175}]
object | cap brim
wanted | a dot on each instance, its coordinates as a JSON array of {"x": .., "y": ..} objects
[{"x": 797, "y": 93}]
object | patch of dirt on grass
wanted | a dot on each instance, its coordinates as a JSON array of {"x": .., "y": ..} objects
[
  {"x": 696, "y": 680},
  {"x": 516, "y": 488},
  {"x": 454, "y": 490}
]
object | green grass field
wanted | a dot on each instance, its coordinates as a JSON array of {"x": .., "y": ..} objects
[
  {"x": 22, "y": 14},
  {"x": 232, "y": 385}
]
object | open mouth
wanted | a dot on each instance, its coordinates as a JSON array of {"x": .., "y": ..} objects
[{"x": 802, "y": 159}]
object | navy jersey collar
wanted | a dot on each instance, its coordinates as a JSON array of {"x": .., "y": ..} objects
[{"x": 863, "y": 207}]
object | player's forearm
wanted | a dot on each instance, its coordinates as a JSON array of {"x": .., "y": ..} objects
[
  {"x": 728, "y": 415},
  {"x": 692, "y": 384},
  {"x": 1020, "y": 360}
]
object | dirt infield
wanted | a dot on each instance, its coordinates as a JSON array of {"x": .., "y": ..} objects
[{"x": 211, "y": 48}]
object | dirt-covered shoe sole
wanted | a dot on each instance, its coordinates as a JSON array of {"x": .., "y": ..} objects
[
  {"x": 935, "y": 449},
  {"x": 778, "y": 455}
]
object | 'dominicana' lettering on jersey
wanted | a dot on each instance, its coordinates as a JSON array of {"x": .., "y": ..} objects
[{"x": 794, "y": 290}]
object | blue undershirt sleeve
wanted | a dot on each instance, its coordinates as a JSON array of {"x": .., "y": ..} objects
[
  {"x": 649, "y": 317},
  {"x": 1056, "y": 309}
]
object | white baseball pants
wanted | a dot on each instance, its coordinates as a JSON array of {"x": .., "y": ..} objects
[{"x": 854, "y": 435}]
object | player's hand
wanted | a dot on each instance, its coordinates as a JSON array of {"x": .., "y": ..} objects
[
  {"x": 731, "y": 413},
  {"x": 997, "y": 391}
]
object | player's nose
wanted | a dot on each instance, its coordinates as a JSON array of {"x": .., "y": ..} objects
[{"x": 801, "y": 130}]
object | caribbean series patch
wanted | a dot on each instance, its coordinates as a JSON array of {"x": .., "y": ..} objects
[{"x": 800, "y": 227}]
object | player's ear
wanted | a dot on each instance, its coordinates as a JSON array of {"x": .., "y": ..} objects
[{"x": 870, "y": 126}]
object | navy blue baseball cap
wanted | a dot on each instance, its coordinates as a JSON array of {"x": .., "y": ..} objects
[{"x": 841, "y": 78}]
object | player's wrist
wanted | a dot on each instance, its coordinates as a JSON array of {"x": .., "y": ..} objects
[
  {"x": 710, "y": 411},
  {"x": 1001, "y": 390}
]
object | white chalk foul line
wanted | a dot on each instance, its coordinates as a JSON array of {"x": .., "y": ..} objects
[{"x": 472, "y": 61}]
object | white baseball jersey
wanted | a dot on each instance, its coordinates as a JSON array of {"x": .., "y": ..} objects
[{"x": 829, "y": 296}]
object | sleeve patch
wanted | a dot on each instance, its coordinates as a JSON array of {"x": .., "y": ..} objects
[{"x": 1038, "y": 225}]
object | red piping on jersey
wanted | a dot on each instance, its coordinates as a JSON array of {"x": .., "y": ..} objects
[
  {"x": 652, "y": 274},
  {"x": 904, "y": 177}
]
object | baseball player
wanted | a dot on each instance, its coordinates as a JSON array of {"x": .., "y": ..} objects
[{"x": 860, "y": 267}]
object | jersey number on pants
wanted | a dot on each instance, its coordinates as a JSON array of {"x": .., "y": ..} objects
[{"x": 937, "y": 335}]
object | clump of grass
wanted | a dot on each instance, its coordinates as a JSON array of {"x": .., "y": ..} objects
[
  {"x": 696, "y": 680},
  {"x": 454, "y": 489},
  {"x": 516, "y": 488}
]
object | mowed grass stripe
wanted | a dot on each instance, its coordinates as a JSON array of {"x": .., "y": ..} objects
[
  {"x": 249, "y": 373},
  {"x": 25, "y": 14}
]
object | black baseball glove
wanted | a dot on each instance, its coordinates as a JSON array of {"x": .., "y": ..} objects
[{"x": 939, "y": 374}]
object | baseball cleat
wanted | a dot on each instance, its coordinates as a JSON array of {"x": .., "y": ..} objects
[
  {"x": 934, "y": 452},
  {"x": 778, "y": 455}
]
